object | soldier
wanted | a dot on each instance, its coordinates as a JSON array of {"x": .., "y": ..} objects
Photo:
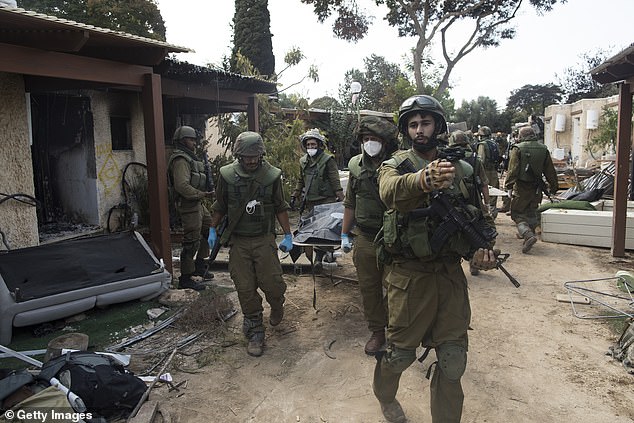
[
  {"x": 489, "y": 153},
  {"x": 319, "y": 180},
  {"x": 249, "y": 192},
  {"x": 428, "y": 301},
  {"x": 363, "y": 206},
  {"x": 530, "y": 159},
  {"x": 188, "y": 182}
]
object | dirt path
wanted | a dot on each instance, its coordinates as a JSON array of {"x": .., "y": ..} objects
[{"x": 530, "y": 358}]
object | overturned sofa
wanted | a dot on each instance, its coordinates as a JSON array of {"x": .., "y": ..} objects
[{"x": 49, "y": 282}]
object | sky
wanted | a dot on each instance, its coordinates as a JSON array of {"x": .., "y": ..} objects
[{"x": 543, "y": 47}]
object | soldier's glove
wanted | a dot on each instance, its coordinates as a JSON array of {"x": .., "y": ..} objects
[
  {"x": 212, "y": 238},
  {"x": 484, "y": 259},
  {"x": 287, "y": 243},
  {"x": 437, "y": 175},
  {"x": 346, "y": 245},
  {"x": 293, "y": 201}
]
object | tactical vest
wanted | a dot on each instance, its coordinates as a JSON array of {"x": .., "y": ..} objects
[
  {"x": 408, "y": 235},
  {"x": 316, "y": 184},
  {"x": 492, "y": 158},
  {"x": 532, "y": 158},
  {"x": 259, "y": 218},
  {"x": 369, "y": 208},
  {"x": 197, "y": 176}
]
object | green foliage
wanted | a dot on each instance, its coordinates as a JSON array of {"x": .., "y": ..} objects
[
  {"x": 482, "y": 111},
  {"x": 432, "y": 20},
  {"x": 533, "y": 99},
  {"x": 252, "y": 36},
  {"x": 577, "y": 83},
  {"x": 605, "y": 137},
  {"x": 138, "y": 17},
  {"x": 383, "y": 85}
]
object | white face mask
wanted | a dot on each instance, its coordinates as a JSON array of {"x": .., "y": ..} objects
[
  {"x": 373, "y": 148},
  {"x": 311, "y": 151}
]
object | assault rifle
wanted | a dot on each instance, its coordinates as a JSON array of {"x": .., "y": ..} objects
[
  {"x": 475, "y": 231},
  {"x": 302, "y": 207},
  {"x": 541, "y": 184},
  {"x": 451, "y": 220},
  {"x": 222, "y": 226}
]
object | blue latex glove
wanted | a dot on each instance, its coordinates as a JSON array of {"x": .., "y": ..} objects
[
  {"x": 346, "y": 245},
  {"x": 212, "y": 238},
  {"x": 287, "y": 244}
]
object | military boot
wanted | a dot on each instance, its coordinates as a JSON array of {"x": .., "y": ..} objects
[
  {"x": 393, "y": 412},
  {"x": 375, "y": 343},
  {"x": 201, "y": 271},
  {"x": 186, "y": 281},
  {"x": 529, "y": 240},
  {"x": 255, "y": 347},
  {"x": 276, "y": 316}
]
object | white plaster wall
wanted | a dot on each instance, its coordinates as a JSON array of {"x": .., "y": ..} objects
[
  {"x": 18, "y": 221},
  {"x": 576, "y": 135},
  {"x": 111, "y": 164}
]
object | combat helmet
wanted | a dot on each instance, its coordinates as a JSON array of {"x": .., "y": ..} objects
[
  {"x": 381, "y": 128},
  {"x": 459, "y": 138},
  {"x": 484, "y": 131},
  {"x": 312, "y": 134},
  {"x": 526, "y": 133},
  {"x": 424, "y": 104},
  {"x": 184, "y": 132},
  {"x": 249, "y": 144}
]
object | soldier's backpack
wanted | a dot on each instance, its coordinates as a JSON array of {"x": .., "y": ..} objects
[
  {"x": 103, "y": 384},
  {"x": 492, "y": 154}
]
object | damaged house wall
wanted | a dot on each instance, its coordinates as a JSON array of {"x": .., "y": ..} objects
[
  {"x": 570, "y": 126},
  {"x": 18, "y": 221}
]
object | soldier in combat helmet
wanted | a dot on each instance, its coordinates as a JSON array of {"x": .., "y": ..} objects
[
  {"x": 530, "y": 159},
  {"x": 363, "y": 207},
  {"x": 188, "y": 181},
  {"x": 249, "y": 192},
  {"x": 428, "y": 301}
]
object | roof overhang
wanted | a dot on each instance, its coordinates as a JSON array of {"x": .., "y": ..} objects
[{"x": 617, "y": 68}]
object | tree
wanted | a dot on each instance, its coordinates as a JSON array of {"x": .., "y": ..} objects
[
  {"x": 605, "y": 138},
  {"x": 489, "y": 22},
  {"x": 577, "y": 83},
  {"x": 533, "y": 99},
  {"x": 252, "y": 35},
  {"x": 480, "y": 112},
  {"x": 325, "y": 103},
  {"x": 383, "y": 85},
  {"x": 138, "y": 17}
]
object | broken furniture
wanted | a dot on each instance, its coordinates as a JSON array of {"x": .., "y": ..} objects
[
  {"x": 53, "y": 281},
  {"x": 584, "y": 227}
]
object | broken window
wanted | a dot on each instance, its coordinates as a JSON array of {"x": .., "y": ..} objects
[{"x": 121, "y": 133}]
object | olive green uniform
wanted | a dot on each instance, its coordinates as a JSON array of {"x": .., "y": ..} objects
[
  {"x": 188, "y": 180},
  {"x": 253, "y": 259},
  {"x": 528, "y": 161},
  {"x": 362, "y": 195},
  {"x": 428, "y": 301},
  {"x": 319, "y": 177},
  {"x": 490, "y": 167}
]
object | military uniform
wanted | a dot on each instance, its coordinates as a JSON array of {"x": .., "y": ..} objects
[
  {"x": 188, "y": 180},
  {"x": 253, "y": 260},
  {"x": 319, "y": 175},
  {"x": 529, "y": 160},
  {"x": 428, "y": 301},
  {"x": 490, "y": 166}
]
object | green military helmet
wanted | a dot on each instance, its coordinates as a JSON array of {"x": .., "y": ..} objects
[
  {"x": 526, "y": 133},
  {"x": 458, "y": 138},
  {"x": 249, "y": 144},
  {"x": 312, "y": 134},
  {"x": 484, "y": 131},
  {"x": 381, "y": 128},
  {"x": 425, "y": 104},
  {"x": 185, "y": 132}
]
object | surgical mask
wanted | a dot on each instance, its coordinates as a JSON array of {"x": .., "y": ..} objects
[
  {"x": 373, "y": 148},
  {"x": 312, "y": 151}
]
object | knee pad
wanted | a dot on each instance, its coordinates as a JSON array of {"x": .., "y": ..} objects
[
  {"x": 452, "y": 360},
  {"x": 396, "y": 360}
]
